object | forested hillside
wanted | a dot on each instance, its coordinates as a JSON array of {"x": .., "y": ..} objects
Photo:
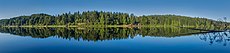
[{"x": 108, "y": 18}]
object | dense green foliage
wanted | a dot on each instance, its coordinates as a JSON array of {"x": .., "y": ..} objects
[{"x": 108, "y": 18}]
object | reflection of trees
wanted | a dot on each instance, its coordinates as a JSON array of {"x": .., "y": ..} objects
[
  {"x": 95, "y": 34},
  {"x": 216, "y": 37}
]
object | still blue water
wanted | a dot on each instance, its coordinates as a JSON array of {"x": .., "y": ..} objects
[
  {"x": 14, "y": 41},
  {"x": 188, "y": 44}
]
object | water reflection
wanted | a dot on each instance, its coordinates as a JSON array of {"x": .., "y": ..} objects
[
  {"x": 216, "y": 37},
  {"x": 101, "y": 34}
]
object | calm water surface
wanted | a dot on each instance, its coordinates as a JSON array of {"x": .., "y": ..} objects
[{"x": 112, "y": 40}]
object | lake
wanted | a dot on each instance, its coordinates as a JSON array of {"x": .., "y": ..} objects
[{"x": 112, "y": 40}]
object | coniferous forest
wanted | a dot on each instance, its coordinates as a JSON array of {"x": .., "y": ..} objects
[{"x": 101, "y": 18}]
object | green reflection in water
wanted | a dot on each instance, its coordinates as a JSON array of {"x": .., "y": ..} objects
[
  {"x": 100, "y": 34},
  {"x": 94, "y": 34}
]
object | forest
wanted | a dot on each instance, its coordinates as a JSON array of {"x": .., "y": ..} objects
[{"x": 101, "y": 18}]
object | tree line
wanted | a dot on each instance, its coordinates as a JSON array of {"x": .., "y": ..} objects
[{"x": 109, "y": 18}]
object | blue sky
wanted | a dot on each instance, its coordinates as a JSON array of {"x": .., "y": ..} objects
[{"x": 212, "y": 9}]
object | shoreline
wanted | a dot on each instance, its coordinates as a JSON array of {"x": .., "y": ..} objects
[{"x": 100, "y": 26}]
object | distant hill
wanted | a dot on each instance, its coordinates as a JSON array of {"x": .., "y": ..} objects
[{"x": 109, "y": 18}]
